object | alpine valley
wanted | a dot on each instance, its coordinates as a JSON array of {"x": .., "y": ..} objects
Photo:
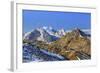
[{"x": 48, "y": 44}]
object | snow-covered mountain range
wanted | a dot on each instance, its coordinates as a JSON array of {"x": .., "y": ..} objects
[
  {"x": 44, "y": 34},
  {"x": 48, "y": 34}
]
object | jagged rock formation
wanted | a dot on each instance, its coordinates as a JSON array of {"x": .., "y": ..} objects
[{"x": 72, "y": 45}]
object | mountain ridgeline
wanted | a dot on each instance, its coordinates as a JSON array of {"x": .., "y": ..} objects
[{"x": 52, "y": 45}]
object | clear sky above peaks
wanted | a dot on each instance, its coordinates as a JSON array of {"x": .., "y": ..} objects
[{"x": 33, "y": 19}]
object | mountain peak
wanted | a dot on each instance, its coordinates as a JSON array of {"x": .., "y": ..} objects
[
  {"x": 41, "y": 34},
  {"x": 79, "y": 32},
  {"x": 47, "y": 27},
  {"x": 61, "y": 32}
]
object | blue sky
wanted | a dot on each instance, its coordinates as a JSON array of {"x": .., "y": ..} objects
[{"x": 67, "y": 20}]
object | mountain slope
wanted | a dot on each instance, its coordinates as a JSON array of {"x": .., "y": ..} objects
[
  {"x": 72, "y": 43},
  {"x": 33, "y": 53},
  {"x": 40, "y": 34}
]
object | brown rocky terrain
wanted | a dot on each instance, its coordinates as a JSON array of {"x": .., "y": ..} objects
[{"x": 75, "y": 45}]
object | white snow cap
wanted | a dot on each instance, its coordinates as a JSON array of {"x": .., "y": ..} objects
[
  {"x": 45, "y": 27},
  {"x": 50, "y": 27}
]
